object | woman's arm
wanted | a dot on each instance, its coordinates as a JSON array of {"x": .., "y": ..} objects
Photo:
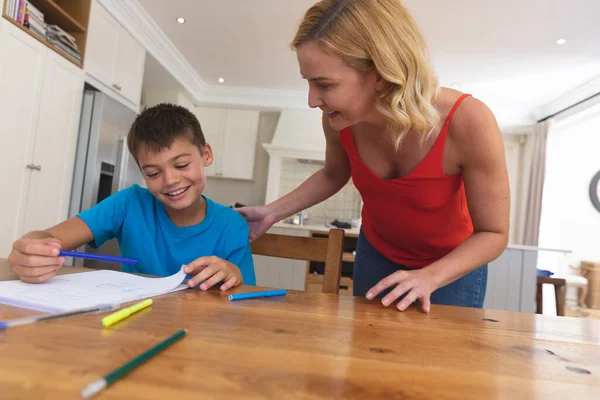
[
  {"x": 478, "y": 142},
  {"x": 321, "y": 185}
]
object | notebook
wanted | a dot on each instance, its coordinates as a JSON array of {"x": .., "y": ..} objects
[{"x": 87, "y": 289}]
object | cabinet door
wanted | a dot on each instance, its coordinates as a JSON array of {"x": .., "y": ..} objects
[
  {"x": 212, "y": 121},
  {"x": 239, "y": 144},
  {"x": 101, "y": 47},
  {"x": 21, "y": 72},
  {"x": 129, "y": 67},
  {"x": 55, "y": 141}
]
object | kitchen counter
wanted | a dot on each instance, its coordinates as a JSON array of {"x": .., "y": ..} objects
[{"x": 352, "y": 232}]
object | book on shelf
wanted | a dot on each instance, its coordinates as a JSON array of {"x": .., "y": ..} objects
[
  {"x": 33, "y": 22},
  {"x": 33, "y": 10},
  {"x": 61, "y": 35},
  {"x": 27, "y": 15},
  {"x": 65, "y": 49}
]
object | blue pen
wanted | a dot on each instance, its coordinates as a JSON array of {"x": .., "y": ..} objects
[
  {"x": 253, "y": 295},
  {"x": 100, "y": 257}
]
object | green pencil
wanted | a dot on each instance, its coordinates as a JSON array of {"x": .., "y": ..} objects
[{"x": 95, "y": 387}]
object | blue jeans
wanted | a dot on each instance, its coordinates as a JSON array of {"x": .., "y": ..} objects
[{"x": 370, "y": 267}]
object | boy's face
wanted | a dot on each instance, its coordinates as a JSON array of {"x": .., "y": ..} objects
[{"x": 175, "y": 175}]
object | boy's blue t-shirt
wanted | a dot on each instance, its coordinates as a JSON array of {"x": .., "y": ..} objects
[{"x": 144, "y": 231}]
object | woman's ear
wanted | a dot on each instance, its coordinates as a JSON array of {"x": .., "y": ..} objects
[{"x": 380, "y": 83}]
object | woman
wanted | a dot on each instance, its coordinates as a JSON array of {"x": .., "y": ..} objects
[{"x": 428, "y": 161}]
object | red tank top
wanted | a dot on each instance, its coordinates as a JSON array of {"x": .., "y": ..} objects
[{"x": 416, "y": 219}]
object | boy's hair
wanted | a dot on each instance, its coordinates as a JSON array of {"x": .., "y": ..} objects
[{"x": 157, "y": 127}]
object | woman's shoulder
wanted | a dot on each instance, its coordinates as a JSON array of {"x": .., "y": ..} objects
[{"x": 471, "y": 117}]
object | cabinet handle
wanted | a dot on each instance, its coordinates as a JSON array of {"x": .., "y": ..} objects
[{"x": 34, "y": 167}]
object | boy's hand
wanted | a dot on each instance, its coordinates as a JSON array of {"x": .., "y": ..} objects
[
  {"x": 36, "y": 260},
  {"x": 213, "y": 270}
]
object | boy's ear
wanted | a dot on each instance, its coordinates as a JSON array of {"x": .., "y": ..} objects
[{"x": 207, "y": 155}]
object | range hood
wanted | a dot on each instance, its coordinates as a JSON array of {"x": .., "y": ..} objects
[{"x": 299, "y": 134}]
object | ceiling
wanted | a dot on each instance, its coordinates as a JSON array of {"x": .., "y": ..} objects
[{"x": 503, "y": 52}]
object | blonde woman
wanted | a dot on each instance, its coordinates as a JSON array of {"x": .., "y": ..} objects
[{"x": 428, "y": 161}]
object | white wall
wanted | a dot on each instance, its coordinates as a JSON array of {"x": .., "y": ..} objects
[{"x": 569, "y": 221}]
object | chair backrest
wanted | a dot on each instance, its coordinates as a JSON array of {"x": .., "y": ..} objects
[{"x": 328, "y": 250}]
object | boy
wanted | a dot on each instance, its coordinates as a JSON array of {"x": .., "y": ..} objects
[{"x": 164, "y": 226}]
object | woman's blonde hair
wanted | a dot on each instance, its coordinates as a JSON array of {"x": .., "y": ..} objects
[{"x": 380, "y": 34}]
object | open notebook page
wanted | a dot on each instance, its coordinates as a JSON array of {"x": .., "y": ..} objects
[{"x": 87, "y": 289}]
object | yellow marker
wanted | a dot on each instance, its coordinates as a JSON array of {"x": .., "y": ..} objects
[{"x": 124, "y": 313}]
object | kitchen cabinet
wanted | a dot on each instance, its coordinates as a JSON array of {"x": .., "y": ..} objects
[
  {"x": 114, "y": 59},
  {"x": 40, "y": 103},
  {"x": 232, "y": 135}
]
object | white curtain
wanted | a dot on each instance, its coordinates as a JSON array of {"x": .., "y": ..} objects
[{"x": 528, "y": 228}]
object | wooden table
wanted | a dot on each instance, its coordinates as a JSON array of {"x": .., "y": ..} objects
[{"x": 307, "y": 346}]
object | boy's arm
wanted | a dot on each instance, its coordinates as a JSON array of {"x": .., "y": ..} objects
[
  {"x": 236, "y": 266},
  {"x": 239, "y": 252},
  {"x": 71, "y": 233},
  {"x": 35, "y": 258},
  {"x": 242, "y": 258}
]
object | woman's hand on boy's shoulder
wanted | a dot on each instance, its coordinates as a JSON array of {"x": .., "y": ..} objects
[{"x": 212, "y": 270}]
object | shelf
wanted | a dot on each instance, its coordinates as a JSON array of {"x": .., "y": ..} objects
[
  {"x": 42, "y": 40},
  {"x": 55, "y": 15}
]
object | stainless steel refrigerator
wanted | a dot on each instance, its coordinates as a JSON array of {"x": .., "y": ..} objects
[{"x": 103, "y": 164}]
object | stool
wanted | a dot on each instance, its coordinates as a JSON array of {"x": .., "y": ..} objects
[
  {"x": 580, "y": 284},
  {"x": 559, "y": 294}
]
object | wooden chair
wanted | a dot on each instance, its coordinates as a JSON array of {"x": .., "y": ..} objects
[
  {"x": 559, "y": 294},
  {"x": 328, "y": 250}
]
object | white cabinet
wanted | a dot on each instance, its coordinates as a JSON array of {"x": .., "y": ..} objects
[
  {"x": 129, "y": 67},
  {"x": 54, "y": 147},
  {"x": 113, "y": 57},
  {"x": 101, "y": 45},
  {"x": 511, "y": 282},
  {"x": 232, "y": 135},
  {"x": 39, "y": 115},
  {"x": 212, "y": 121}
]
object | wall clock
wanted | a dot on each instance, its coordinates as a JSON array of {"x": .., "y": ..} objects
[{"x": 595, "y": 191}]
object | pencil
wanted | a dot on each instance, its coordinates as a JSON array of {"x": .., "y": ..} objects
[
  {"x": 38, "y": 318},
  {"x": 95, "y": 387},
  {"x": 101, "y": 257}
]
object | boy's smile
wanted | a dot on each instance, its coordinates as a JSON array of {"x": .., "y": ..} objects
[
  {"x": 177, "y": 194},
  {"x": 175, "y": 176}
]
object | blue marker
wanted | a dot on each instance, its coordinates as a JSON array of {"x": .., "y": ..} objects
[
  {"x": 100, "y": 257},
  {"x": 253, "y": 295}
]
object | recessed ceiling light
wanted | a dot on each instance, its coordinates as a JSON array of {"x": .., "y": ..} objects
[
  {"x": 561, "y": 41},
  {"x": 181, "y": 20},
  {"x": 221, "y": 80}
]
